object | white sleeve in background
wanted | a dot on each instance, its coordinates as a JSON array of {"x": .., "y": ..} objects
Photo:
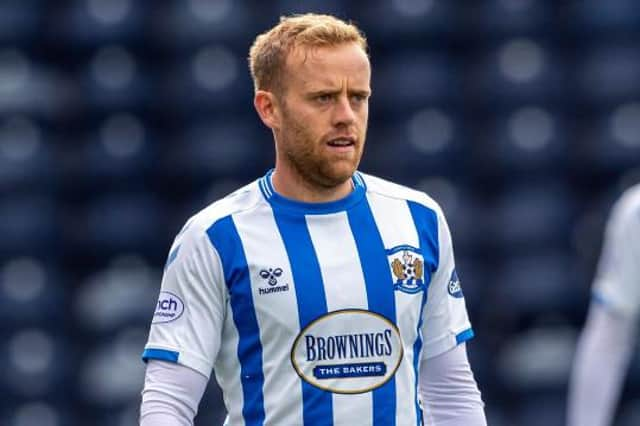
[
  {"x": 171, "y": 394},
  {"x": 448, "y": 390},
  {"x": 617, "y": 282},
  {"x": 606, "y": 343},
  {"x": 600, "y": 364}
]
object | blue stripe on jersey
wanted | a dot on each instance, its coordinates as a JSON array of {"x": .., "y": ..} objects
[
  {"x": 224, "y": 237},
  {"x": 426, "y": 223},
  {"x": 464, "y": 336},
  {"x": 312, "y": 303},
  {"x": 380, "y": 296},
  {"x": 161, "y": 354}
]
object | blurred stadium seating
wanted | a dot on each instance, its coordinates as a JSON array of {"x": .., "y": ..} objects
[{"x": 120, "y": 118}]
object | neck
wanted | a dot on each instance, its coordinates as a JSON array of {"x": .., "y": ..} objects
[{"x": 299, "y": 189}]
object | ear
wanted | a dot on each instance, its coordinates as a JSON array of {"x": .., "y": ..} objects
[{"x": 267, "y": 107}]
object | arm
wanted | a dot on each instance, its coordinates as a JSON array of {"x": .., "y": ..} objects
[
  {"x": 185, "y": 333},
  {"x": 605, "y": 346},
  {"x": 602, "y": 358},
  {"x": 171, "y": 394},
  {"x": 448, "y": 390}
]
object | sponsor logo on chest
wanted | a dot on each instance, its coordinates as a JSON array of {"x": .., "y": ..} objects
[{"x": 348, "y": 351}]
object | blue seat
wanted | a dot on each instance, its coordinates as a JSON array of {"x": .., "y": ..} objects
[
  {"x": 26, "y": 156},
  {"x": 609, "y": 142},
  {"x": 223, "y": 147},
  {"x": 90, "y": 23},
  {"x": 516, "y": 71},
  {"x": 412, "y": 79},
  {"x": 539, "y": 282},
  {"x": 97, "y": 386},
  {"x": 409, "y": 20},
  {"x": 537, "y": 361},
  {"x": 122, "y": 294},
  {"x": 498, "y": 18},
  {"x": 20, "y": 21},
  {"x": 31, "y": 293},
  {"x": 521, "y": 141},
  {"x": 206, "y": 79},
  {"x": 28, "y": 225},
  {"x": 334, "y": 7},
  {"x": 36, "y": 364},
  {"x": 183, "y": 24},
  {"x": 28, "y": 413},
  {"x": 120, "y": 149},
  {"x": 607, "y": 73},
  {"x": 122, "y": 221},
  {"x": 532, "y": 215},
  {"x": 588, "y": 17},
  {"x": 113, "y": 80},
  {"x": 422, "y": 141},
  {"x": 546, "y": 409}
]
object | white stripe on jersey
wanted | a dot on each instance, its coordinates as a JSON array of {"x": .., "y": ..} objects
[{"x": 344, "y": 288}]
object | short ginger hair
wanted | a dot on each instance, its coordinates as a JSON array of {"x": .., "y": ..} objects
[{"x": 268, "y": 54}]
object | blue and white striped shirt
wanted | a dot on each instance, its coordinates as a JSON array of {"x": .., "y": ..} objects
[{"x": 313, "y": 314}]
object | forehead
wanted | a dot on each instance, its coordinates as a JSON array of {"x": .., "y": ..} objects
[{"x": 328, "y": 65}]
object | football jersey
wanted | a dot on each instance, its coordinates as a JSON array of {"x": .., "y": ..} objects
[
  {"x": 312, "y": 313},
  {"x": 617, "y": 283}
]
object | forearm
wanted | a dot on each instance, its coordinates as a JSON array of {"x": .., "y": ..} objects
[
  {"x": 171, "y": 395},
  {"x": 602, "y": 357},
  {"x": 449, "y": 391}
]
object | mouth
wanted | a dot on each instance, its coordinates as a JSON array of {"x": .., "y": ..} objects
[{"x": 342, "y": 144}]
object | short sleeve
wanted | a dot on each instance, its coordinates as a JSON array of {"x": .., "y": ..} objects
[
  {"x": 188, "y": 320},
  {"x": 617, "y": 281},
  {"x": 445, "y": 319}
]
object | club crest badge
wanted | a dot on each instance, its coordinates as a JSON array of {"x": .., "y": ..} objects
[{"x": 407, "y": 269}]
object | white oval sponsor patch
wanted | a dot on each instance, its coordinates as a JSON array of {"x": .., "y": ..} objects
[
  {"x": 348, "y": 351},
  {"x": 169, "y": 308}
]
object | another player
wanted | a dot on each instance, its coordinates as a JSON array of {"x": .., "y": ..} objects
[
  {"x": 317, "y": 294},
  {"x": 607, "y": 341}
]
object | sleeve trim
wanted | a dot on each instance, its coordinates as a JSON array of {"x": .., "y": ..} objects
[
  {"x": 464, "y": 336},
  {"x": 160, "y": 354}
]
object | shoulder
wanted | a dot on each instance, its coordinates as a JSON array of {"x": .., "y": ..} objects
[
  {"x": 244, "y": 199},
  {"x": 394, "y": 191}
]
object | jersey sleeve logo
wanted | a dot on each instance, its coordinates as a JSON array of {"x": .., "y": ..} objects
[
  {"x": 169, "y": 308},
  {"x": 454, "y": 287},
  {"x": 407, "y": 268}
]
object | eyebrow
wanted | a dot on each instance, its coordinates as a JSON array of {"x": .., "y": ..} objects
[{"x": 362, "y": 92}]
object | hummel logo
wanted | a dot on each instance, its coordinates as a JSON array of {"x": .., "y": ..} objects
[{"x": 271, "y": 275}]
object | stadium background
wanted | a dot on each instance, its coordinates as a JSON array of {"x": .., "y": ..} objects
[{"x": 120, "y": 118}]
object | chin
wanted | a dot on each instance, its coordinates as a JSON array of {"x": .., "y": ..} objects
[{"x": 336, "y": 175}]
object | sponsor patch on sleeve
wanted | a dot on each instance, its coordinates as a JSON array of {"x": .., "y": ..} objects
[
  {"x": 169, "y": 308},
  {"x": 454, "y": 287}
]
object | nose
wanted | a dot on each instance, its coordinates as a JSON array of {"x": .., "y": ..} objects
[{"x": 343, "y": 114}]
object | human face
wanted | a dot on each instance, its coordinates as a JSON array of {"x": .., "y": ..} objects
[{"x": 324, "y": 112}]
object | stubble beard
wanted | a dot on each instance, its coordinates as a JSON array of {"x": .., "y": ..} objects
[{"x": 317, "y": 171}]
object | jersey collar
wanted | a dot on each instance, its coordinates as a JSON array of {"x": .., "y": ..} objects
[{"x": 278, "y": 201}]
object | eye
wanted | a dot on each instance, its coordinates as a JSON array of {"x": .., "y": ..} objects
[
  {"x": 358, "y": 98},
  {"x": 324, "y": 98}
]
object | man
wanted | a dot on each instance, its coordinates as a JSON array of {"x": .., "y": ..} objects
[
  {"x": 607, "y": 342},
  {"x": 319, "y": 295}
]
